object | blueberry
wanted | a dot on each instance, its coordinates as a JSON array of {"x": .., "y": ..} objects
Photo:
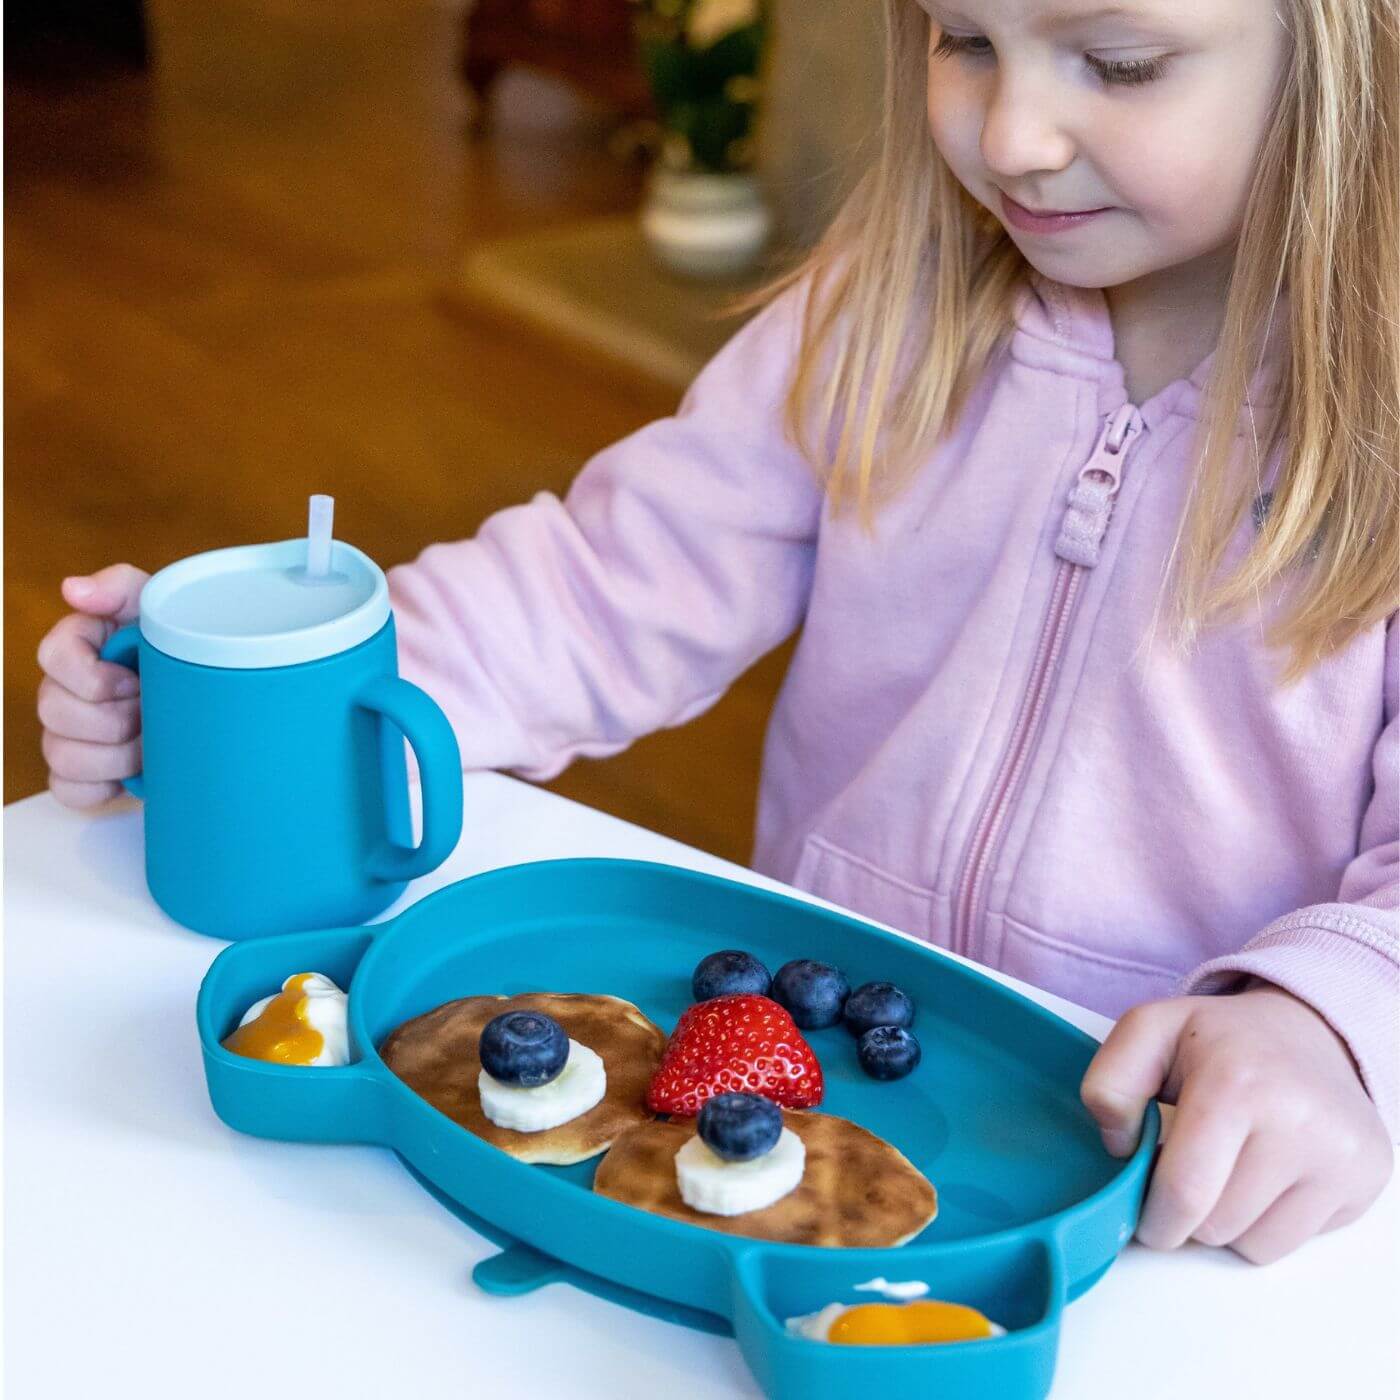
[
  {"x": 740, "y": 1127},
  {"x": 730, "y": 973},
  {"x": 524, "y": 1048},
  {"x": 888, "y": 1052},
  {"x": 814, "y": 992},
  {"x": 877, "y": 1004}
]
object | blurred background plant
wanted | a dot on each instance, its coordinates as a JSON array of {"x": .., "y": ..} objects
[{"x": 703, "y": 59}]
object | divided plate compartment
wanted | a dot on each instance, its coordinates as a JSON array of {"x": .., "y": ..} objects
[{"x": 1032, "y": 1210}]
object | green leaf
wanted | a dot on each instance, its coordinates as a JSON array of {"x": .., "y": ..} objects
[
  {"x": 740, "y": 51},
  {"x": 672, "y": 72}
]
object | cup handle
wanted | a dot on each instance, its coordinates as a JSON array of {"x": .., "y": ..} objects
[
  {"x": 124, "y": 647},
  {"x": 440, "y": 766}
]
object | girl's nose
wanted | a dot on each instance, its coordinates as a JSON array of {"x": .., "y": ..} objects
[{"x": 1021, "y": 132}]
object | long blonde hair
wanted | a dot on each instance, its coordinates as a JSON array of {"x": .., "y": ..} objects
[{"x": 912, "y": 266}]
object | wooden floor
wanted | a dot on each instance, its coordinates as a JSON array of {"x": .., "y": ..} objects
[{"x": 224, "y": 290}]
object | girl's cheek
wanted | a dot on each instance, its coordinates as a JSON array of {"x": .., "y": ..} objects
[
  {"x": 1181, "y": 177},
  {"x": 1202, "y": 151},
  {"x": 955, "y": 126}
]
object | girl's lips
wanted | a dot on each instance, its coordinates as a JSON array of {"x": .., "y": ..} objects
[{"x": 1023, "y": 218}]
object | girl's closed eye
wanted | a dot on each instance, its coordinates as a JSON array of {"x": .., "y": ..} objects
[{"x": 1122, "y": 72}]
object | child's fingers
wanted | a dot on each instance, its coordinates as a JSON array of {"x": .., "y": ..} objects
[
  {"x": 1354, "y": 1210},
  {"x": 1128, "y": 1070},
  {"x": 81, "y": 762},
  {"x": 113, "y": 592},
  {"x": 1194, "y": 1167},
  {"x": 109, "y": 722},
  {"x": 1303, "y": 1211},
  {"x": 80, "y": 795},
  {"x": 69, "y": 655},
  {"x": 1264, "y": 1171}
]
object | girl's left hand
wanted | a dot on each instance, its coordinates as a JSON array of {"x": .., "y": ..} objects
[{"x": 1274, "y": 1139}]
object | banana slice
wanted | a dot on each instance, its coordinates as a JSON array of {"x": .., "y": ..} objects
[
  {"x": 580, "y": 1085},
  {"x": 708, "y": 1183}
]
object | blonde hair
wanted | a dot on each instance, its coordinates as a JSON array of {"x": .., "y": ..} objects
[{"x": 912, "y": 266}]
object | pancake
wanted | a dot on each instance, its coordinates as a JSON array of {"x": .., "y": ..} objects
[
  {"x": 436, "y": 1056},
  {"x": 857, "y": 1192}
]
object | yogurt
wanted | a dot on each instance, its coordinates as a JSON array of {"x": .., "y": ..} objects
[{"x": 303, "y": 1024}]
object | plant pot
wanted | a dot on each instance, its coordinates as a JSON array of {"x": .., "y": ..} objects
[{"x": 705, "y": 225}]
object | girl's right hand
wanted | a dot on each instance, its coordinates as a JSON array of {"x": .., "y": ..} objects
[{"x": 89, "y": 708}]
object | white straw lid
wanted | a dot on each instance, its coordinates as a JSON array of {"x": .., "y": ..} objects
[{"x": 255, "y": 606}]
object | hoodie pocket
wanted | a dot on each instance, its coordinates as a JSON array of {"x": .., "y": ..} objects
[{"x": 854, "y": 883}]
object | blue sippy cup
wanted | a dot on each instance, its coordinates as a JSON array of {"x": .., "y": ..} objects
[{"x": 273, "y": 718}]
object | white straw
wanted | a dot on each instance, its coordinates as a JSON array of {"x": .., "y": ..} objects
[{"x": 318, "y": 536}]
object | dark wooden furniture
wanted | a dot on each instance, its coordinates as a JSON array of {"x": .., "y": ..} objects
[{"x": 587, "y": 42}]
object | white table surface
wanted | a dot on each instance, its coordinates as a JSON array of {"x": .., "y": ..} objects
[{"x": 152, "y": 1251}]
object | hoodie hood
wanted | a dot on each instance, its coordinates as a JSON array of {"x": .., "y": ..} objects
[{"x": 1069, "y": 330}]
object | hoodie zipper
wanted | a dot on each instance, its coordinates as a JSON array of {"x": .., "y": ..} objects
[{"x": 1082, "y": 529}]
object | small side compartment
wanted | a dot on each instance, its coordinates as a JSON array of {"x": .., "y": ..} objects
[
  {"x": 288, "y": 1102},
  {"x": 1017, "y": 1281}
]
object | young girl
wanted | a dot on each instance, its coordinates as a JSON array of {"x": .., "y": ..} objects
[{"x": 1097, "y": 681}]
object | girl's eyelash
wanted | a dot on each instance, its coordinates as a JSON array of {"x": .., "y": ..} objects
[{"x": 1124, "y": 72}]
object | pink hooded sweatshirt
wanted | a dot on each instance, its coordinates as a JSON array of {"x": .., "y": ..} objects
[{"x": 973, "y": 744}]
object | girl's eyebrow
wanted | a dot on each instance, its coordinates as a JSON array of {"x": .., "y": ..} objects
[{"x": 1134, "y": 14}]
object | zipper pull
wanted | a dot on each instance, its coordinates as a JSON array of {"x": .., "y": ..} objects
[{"x": 1091, "y": 499}]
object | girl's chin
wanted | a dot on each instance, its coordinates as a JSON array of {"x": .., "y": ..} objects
[{"x": 1075, "y": 269}]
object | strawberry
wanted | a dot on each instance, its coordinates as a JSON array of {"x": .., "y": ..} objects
[{"x": 740, "y": 1044}]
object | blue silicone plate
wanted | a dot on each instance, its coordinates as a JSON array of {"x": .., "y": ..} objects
[{"x": 1032, "y": 1210}]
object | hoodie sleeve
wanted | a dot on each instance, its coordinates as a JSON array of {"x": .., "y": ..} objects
[
  {"x": 678, "y": 557},
  {"x": 1342, "y": 958}
]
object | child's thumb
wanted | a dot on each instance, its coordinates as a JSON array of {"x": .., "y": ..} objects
[
  {"x": 113, "y": 592},
  {"x": 1129, "y": 1069}
]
